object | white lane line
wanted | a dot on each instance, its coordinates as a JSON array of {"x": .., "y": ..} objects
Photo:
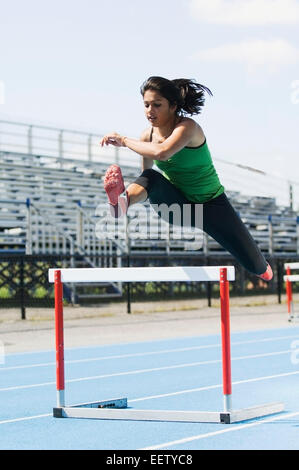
[
  {"x": 221, "y": 431},
  {"x": 147, "y": 353},
  {"x": 143, "y": 371},
  {"x": 118, "y": 356},
  {"x": 211, "y": 387},
  {"x": 25, "y": 418}
]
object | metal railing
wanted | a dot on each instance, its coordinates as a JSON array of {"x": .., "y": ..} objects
[{"x": 34, "y": 139}]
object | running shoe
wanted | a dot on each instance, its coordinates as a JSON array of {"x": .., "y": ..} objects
[
  {"x": 267, "y": 275},
  {"x": 117, "y": 195}
]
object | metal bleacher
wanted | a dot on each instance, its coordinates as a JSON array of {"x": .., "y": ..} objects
[{"x": 59, "y": 197}]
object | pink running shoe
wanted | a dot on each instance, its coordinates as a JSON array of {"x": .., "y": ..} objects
[
  {"x": 115, "y": 189},
  {"x": 268, "y": 274}
]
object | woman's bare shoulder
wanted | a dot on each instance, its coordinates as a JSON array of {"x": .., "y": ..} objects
[
  {"x": 146, "y": 135},
  {"x": 190, "y": 122},
  {"x": 198, "y": 134}
]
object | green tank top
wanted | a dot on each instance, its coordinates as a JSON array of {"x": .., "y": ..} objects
[{"x": 192, "y": 171}]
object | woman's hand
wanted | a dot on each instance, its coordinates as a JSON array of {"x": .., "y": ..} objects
[{"x": 113, "y": 139}]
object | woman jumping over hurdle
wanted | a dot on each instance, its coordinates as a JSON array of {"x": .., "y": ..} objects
[{"x": 178, "y": 147}]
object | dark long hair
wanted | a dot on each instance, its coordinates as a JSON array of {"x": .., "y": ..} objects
[{"x": 188, "y": 95}]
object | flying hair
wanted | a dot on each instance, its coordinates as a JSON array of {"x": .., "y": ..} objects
[{"x": 186, "y": 94}]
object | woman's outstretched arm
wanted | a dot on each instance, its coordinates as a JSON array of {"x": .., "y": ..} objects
[{"x": 180, "y": 137}]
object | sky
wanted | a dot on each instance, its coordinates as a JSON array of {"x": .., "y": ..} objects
[{"x": 79, "y": 64}]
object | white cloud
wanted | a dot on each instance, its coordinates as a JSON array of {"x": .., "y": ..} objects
[
  {"x": 254, "y": 54},
  {"x": 246, "y": 12}
]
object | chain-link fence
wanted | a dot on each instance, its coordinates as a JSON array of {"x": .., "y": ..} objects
[{"x": 24, "y": 281}]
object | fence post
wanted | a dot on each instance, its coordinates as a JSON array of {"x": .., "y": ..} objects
[
  {"x": 208, "y": 285},
  {"x": 22, "y": 293},
  {"x": 29, "y": 229},
  {"x": 270, "y": 227},
  {"x": 279, "y": 280}
]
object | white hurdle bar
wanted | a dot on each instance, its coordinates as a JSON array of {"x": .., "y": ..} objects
[
  {"x": 117, "y": 409},
  {"x": 289, "y": 278}
]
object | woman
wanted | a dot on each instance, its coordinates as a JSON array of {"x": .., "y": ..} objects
[{"x": 177, "y": 145}]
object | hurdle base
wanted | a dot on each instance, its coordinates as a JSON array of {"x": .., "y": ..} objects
[
  {"x": 293, "y": 318},
  {"x": 118, "y": 410},
  {"x": 115, "y": 403}
]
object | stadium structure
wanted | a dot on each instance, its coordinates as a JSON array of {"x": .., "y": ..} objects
[{"x": 53, "y": 206}]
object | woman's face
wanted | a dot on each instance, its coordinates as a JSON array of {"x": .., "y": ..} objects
[{"x": 157, "y": 109}]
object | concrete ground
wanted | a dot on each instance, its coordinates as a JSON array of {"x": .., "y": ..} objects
[{"x": 110, "y": 323}]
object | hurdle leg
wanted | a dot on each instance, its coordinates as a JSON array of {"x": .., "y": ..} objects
[
  {"x": 225, "y": 334},
  {"x": 58, "y": 291}
]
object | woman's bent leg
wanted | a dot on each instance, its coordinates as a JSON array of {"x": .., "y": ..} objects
[
  {"x": 136, "y": 193},
  {"x": 163, "y": 196}
]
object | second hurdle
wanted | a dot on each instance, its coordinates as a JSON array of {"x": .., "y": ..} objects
[
  {"x": 289, "y": 278},
  {"x": 117, "y": 409}
]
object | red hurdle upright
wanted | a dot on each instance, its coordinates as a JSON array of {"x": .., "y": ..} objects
[
  {"x": 117, "y": 409},
  {"x": 225, "y": 334},
  {"x": 289, "y": 292},
  {"x": 289, "y": 278},
  {"x": 58, "y": 292}
]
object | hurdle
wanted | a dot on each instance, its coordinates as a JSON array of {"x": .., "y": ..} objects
[
  {"x": 118, "y": 408},
  {"x": 289, "y": 278}
]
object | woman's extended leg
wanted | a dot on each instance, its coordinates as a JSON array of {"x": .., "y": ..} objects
[
  {"x": 222, "y": 223},
  {"x": 220, "y": 220}
]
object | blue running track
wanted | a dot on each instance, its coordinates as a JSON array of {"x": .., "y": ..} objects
[{"x": 180, "y": 374}]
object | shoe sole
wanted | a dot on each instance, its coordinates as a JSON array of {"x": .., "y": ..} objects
[{"x": 114, "y": 184}]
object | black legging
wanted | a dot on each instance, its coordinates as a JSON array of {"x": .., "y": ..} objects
[{"x": 220, "y": 220}]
